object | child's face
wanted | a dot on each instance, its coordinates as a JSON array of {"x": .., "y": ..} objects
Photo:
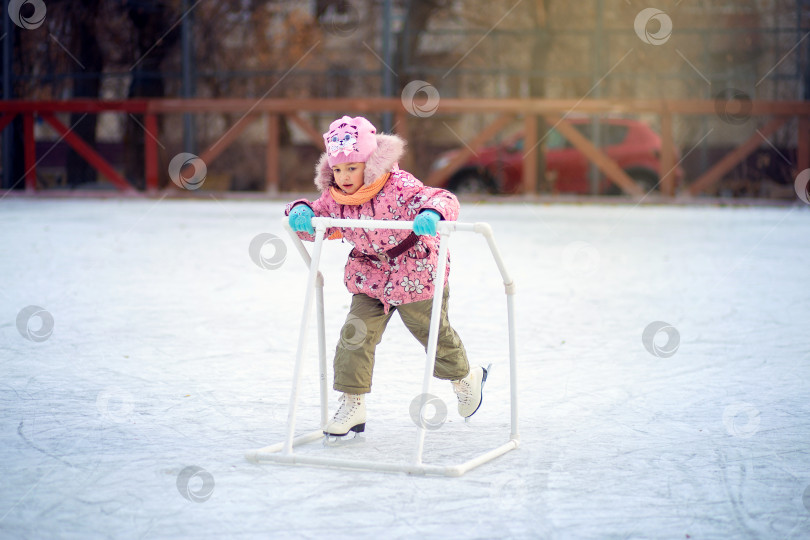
[{"x": 349, "y": 176}]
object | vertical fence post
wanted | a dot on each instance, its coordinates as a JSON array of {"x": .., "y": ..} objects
[
  {"x": 30, "y": 153},
  {"x": 803, "y": 148},
  {"x": 150, "y": 151},
  {"x": 667, "y": 175},
  {"x": 271, "y": 173},
  {"x": 8, "y": 180},
  {"x": 530, "y": 149}
]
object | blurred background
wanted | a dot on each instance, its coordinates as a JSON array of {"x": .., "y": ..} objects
[{"x": 734, "y": 54}]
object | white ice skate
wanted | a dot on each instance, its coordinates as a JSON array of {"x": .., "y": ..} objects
[
  {"x": 469, "y": 390},
  {"x": 349, "y": 418}
]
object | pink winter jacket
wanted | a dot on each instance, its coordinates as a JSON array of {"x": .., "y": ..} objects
[{"x": 408, "y": 277}]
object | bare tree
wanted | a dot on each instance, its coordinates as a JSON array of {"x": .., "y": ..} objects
[
  {"x": 83, "y": 40},
  {"x": 153, "y": 39},
  {"x": 537, "y": 83}
]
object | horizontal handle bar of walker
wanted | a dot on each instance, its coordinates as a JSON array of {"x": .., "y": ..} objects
[{"x": 441, "y": 226}]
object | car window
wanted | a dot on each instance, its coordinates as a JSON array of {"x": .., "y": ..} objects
[
  {"x": 613, "y": 134},
  {"x": 585, "y": 130},
  {"x": 555, "y": 140},
  {"x": 610, "y": 134}
]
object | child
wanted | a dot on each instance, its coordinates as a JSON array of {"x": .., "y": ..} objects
[{"x": 388, "y": 270}]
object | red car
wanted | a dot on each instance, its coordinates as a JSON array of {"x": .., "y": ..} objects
[{"x": 634, "y": 146}]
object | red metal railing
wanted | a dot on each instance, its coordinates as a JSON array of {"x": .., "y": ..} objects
[{"x": 507, "y": 109}]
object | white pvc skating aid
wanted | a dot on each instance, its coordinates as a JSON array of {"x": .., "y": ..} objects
[{"x": 283, "y": 452}]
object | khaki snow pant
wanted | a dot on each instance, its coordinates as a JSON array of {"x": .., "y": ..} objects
[{"x": 354, "y": 356}]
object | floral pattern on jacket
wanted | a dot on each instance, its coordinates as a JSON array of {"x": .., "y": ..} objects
[{"x": 408, "y": 277}]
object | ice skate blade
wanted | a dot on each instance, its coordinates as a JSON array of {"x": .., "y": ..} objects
[
  {"x": 359, "y": 428},
  {"x": 336, "y": 441}
]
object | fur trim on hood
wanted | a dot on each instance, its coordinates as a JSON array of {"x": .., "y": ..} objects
[{"x": 390, "y": 149}]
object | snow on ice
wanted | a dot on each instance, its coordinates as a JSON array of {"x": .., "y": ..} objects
[{"x": 143, "y": 351}]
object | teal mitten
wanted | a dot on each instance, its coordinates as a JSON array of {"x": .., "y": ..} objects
[
  {"x": 425, "y": 222},
  {"x": 301, "y": 219}
]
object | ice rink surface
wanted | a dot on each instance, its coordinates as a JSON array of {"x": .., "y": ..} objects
[{"x": 157, "y": 344}]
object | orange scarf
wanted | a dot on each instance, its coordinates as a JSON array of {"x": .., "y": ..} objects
[{"x": 362, "y": 195}]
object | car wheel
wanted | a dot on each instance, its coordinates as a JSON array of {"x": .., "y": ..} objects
[
  {"x": 646, "y": 180},
  {"x": 471, "y": 181}
]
